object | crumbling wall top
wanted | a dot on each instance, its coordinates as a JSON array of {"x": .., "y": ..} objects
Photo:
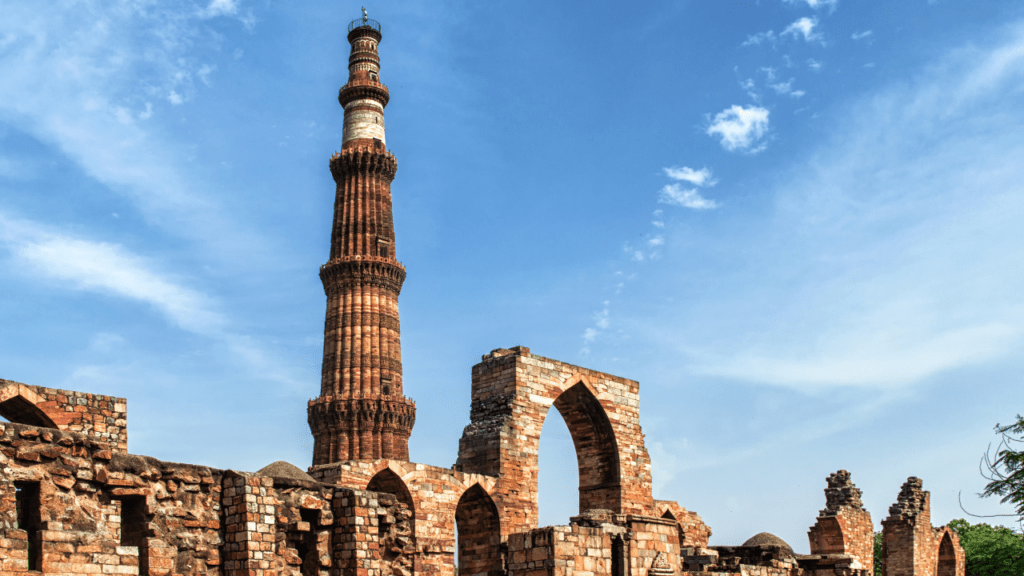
[
  {"x": 840, "y": 493},
  {"x": 911, "y": 502}
]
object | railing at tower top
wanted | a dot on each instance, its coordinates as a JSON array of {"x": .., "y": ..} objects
[{"x": 364, "y": 22}]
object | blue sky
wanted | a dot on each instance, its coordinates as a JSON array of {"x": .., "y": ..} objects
[{"x": 795, "y": 222}]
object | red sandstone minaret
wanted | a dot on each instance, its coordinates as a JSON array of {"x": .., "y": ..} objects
[{"x": 361, "y": 413}]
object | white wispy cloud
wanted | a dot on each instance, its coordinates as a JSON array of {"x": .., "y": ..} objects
[
  {"x": 675, "y": 195},
  {"x": 110, "y": 269},
  {"x": 740, "y": 128},
  {"x": 786, "y": 88},
  {"x": 894, "y": 251},
  {"x": 700, "y": 177},
  {"x": 803, "y": 28},
  {"x": 861, "y": 35},
  {"x": 760, "y": 38},
  {"x": 220, "y": 8},
  {"x": 81, "y": 79},
  {"x": 74, "y": 263},
  {"x": 816, "y": 4}
]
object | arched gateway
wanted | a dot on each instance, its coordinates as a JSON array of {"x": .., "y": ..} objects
[{"x": 512, "y": 394}]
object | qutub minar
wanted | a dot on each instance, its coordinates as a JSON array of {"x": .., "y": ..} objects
[
  {"x": 361, "y": 413},
  {"x": 73, "y": 501}
]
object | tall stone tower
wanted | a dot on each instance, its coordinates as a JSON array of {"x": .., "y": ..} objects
[{"x": 361, "y": 413}]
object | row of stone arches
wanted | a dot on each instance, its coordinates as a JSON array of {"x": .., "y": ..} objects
[{"x": 477, "y": 523}]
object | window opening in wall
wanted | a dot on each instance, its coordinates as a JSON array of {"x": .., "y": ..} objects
[
  {"x": 306, "y": 546},
  {"x": 133, "y": 527},
  {"x": 26, "y": 500},
  {"x": 385, "y": 385},
  {"x": 558, "y": 473},
  {"x": 133, "y": 520},
  {"x": 618, "y": 565},
  {"x": 383, "y": 247}
]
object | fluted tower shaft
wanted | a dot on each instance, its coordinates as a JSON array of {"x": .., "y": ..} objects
[{"x": 361, "y": 413}]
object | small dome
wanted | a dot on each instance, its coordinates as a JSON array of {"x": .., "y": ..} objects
[
  {"x": 282, "y": 469},
  {"x": 766, "y": 539}
]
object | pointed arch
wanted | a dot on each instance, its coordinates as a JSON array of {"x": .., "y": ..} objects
[
  {"x": 668, "y": 515},
  {"x": 391, "y": 483},
  {"x": 19, "y": 404},
  {"x": 479, "y": 528},
  {"x": 597, "y": 451},
  {"x": 947, "y": 557}
]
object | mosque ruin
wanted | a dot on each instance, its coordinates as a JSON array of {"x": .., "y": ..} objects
[{"x": 73, "y": 501}]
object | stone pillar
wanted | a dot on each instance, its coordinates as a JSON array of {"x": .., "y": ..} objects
[
  {"x": 844, "y": 526},
  {"x": 249, "y": 508},
  {"x": 908, "y": 542}
]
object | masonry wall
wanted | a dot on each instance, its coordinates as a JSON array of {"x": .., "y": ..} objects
[
  {"x": 434, "y": 497},
  {"x": 105, "y": 418},
  {"x": 512, "y": 393},
  {"x": 910, "y": 546},
  {"x": 844, "y": 526}
]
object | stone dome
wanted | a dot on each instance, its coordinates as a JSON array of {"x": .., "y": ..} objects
[
  {"x": 767, "y": 539},
  {"x": 282, "y": 469}
]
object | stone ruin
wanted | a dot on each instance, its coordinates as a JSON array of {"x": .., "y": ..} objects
[{"x": 74, "y": 502}]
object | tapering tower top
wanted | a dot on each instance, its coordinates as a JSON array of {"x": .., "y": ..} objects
[{"x": 363, "y": 97}]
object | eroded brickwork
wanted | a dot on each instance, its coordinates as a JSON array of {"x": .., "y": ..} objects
[
  {"x": 512, "y": 393},
  {"x": 104, "y": 418},
  {"x": 844, "y": 526},
  {"x": 910, "y": 546}
]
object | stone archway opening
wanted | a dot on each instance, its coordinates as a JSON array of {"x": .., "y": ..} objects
[
  {"x": 947, "y": 557},
  {"x": 557, "y": 473},
  {"x": 479, "y": 534},
  {"x": 387, "y": 481},
  {"x": 21, "y": 410},
  {"x": 597, "y": 451}
]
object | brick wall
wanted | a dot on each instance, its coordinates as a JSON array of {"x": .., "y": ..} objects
[
  {"x": 910, "y": 546},
  {"x": 512, "y": 393},
  {"x": 105, "y": 418},
  {"x": 844, "y": 526}
]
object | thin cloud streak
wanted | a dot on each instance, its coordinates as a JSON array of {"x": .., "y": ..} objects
[
  {"x": 111, "y": 270},
  {"x": 893, "y": 253},
  {"x": 91, "y": 94}
]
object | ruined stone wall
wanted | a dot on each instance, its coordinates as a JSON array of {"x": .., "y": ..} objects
[
  {"x": 512, "y": 393},
  {"x": 105, "y": 418},
  {"x": 910, "y": 546},
  {"x": 693, "y": 532},
  {"x": 597, "y": 543},
  {"x": 70, "y": 505},
  {"x": 844, "y": 526},
  {"x": 434, "y": 497},
  {"x": 95, "y": 507}
]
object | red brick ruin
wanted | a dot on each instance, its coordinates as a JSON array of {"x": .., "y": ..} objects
[{"x": 73, "y": 501}]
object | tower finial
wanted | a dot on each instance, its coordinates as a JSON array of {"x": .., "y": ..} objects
[{"x": 365, "y": 17}]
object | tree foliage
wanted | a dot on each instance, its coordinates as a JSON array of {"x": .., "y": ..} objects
[
  {"x": 989, "y": 550},
  {"x": 1005, "y": 469},
  {"x": 878, "y": 554}
]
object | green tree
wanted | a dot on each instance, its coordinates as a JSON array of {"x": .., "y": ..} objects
[
  {"x": 988, "y": 550},
  {"x": 1005, "y": 469},
  {"x": 878, "y": 554}
]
